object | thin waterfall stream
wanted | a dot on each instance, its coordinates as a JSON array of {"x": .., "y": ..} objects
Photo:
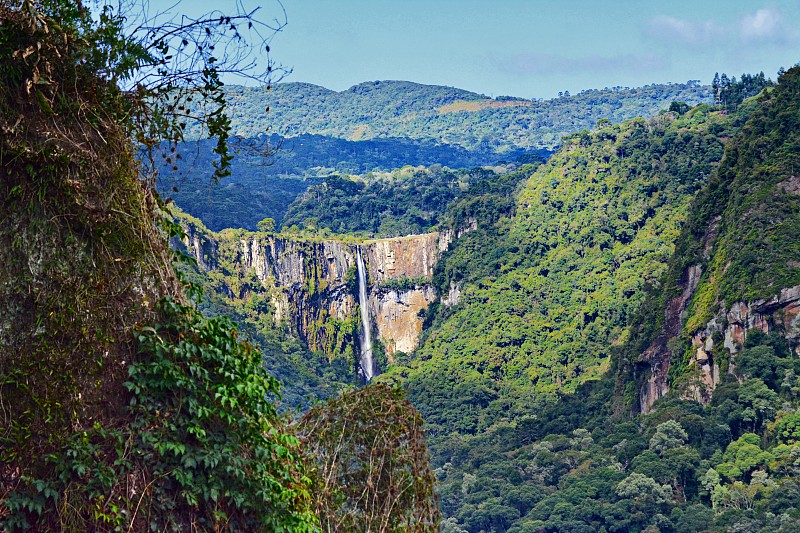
[{"x": 366, "y": 333}]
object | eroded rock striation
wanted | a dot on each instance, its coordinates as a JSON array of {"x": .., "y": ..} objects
[
  {"x": 722, "y": 338},
  {"x": 313, "y": 287}
]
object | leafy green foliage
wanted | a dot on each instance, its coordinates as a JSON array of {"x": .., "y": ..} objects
[
  {"x": 575, "y": 466},
  {"x": 548, "y": 291},
  {"x": 204, "y": 447},
  {"x": 668, "y": 436},
  {"x": 727, "y": 466},
  {"x": 75, "y": 207},
  {"x": 85, "y": 260},
  {"x": 407, "y": 201},
  {"x": 223, "y": 449},
  {"x": 579, "y": 465},
  {"x": 370, "y": 464}
]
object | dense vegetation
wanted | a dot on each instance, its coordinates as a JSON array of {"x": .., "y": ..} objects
[
  {"x": 739, "y": 232},
  {"x": 576, "y": 466},
  {"x": 581, "y": 463},
  {"x": 754, "y": 199},
  {"x": 548, "y": 291},
  {"x": 730, "y": 92},
  {"x": 123, "y": 407},
  {"x": 399, "y": 109},
  {"x": 407, "y": 201},
  {"x": 529, "y": 431},
  {"x": 370, "y": 464},
  {"x": 263, "y": 185}
]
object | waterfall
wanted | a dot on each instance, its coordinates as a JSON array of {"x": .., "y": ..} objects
[{"x": 366, "y": 334}]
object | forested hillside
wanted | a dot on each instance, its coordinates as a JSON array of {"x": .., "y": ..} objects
[
  {"x": 400, "y": 109},
  {"x": 604, "y": 338},
  {"x": 270, "y": 172},
  {"x": 586, "y": 460},
  {"x": 546, "y": 293},
  {"x": 312, "y": 132},
  {"x": 736, "y": 264},
  {"x": 405, "y": 202},
  {"x": 585, "y": 367}
]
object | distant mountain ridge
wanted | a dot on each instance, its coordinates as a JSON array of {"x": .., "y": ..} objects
[
  {"x": 384, "y": 125},
  {"x": 383, "y": 109}
]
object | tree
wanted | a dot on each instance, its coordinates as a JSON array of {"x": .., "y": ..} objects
[
  {"x": 123, "y": 408},
  {"x": 760, "y": 362},
  {"x": 678, "y": 107},
  {"x": 602, "y": 123},
  {"x": 668, "y": 435},
  {"x": 266, "y": 225},
  {"x": 759, "y": 403},
  {"x": 742, "y": 456},
  {"x": 369, "y": 463},
  {"x": 638, "y": 486}
]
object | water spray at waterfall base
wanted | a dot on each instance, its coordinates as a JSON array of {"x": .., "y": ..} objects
[{"x": 366, "y": 363}]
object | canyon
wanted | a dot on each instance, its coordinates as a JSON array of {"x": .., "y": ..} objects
[{"x": 313, "y": 285}]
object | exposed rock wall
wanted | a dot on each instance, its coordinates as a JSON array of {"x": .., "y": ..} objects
[
  {"x": 732, "y": 326},
  {"x": 200, "y": 247},
  {"x": 658, "y": 355},
  {"x": 727, "y": 331},
  {"x": 313, "y": 286},
  {"x": 414, "y": 256},
  {"x": 397, "y": 316}
]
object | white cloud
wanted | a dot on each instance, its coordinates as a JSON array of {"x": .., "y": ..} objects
[
  {"x": 766, "y": 24},
  {"x": 685, "y": 31}
]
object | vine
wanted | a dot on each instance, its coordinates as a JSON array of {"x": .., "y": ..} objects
[{"x": 205, "y": 449}]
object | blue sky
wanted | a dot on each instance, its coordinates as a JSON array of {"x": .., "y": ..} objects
[{"x": 530, "y": 49}]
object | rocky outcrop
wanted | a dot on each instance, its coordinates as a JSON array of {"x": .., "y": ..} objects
[
  {"x": 723, "y": 337},
  {"x": 414, "y": 256},
  {"x": 200, "y": 246},
  {"x": 312, "y": 285},
  {"x": 397, "y": 316},
  {"x": 658, "y": 355},
  {"x": 779, "y": 314}
]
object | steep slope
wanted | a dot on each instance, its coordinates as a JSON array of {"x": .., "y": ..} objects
[
  {"x": 542, "y": 303},
  {"x": 726, "y": 463},
  {"x": 738, "y": 261},
  {"x": 286, "y": 287},
  {"x": 443, "y": 114}
]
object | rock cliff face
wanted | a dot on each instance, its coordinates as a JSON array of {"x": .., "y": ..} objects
[
  {"x": 313, "y": 285},
  {"x": 658, "y": 355},
  {"x": 397, "y": 316},
  {"x": 730, "y": 328},
  {"x": 722, "y": 338}
]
